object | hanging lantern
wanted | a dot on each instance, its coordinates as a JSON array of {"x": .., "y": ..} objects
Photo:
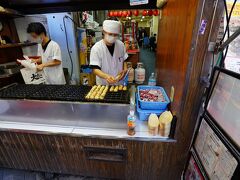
[
  {"x": 129, "y": 13},
  {"x": 150, "y": 12},
  {"x": 111, "y": 14},
  {"x": 155, "y": 12},
  {"x": 115, "y": 13},
  {"x": 144, "y": 12},
  {"x": 119, "y": 13},
  {"x": 135, "y": 12},
  {"x": 124, "y": 14}
]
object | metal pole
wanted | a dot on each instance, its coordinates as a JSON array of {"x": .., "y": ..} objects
[{"x": 229, "y": 40}]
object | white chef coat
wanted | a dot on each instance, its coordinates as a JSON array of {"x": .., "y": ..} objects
[
  {"x": 54, "y": 74},
  {"x": 101, "y": 57}
]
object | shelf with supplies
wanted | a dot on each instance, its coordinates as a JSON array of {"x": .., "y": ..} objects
[
  {"x": 9, "y": 13},
  {"x": 13, "y": 45}
]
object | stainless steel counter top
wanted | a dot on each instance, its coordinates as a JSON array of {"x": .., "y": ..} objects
[
  {"x": 84, "y": 119},
  {"x": 65, "y": 114}
]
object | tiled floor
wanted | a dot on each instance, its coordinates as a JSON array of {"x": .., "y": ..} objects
[
  {"x": 10, "y": 174},
  {"x": 148, "y": 58}
]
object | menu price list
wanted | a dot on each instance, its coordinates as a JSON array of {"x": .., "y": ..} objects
[{"x": 217, "y": 161}]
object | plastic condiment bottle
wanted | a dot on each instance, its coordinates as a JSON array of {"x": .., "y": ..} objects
[
  {"x": 131, "y": 123},
  {"x": 139, "y": 73},
  {"x": 153, "y": 124},
  {"x": 131, "y": 72},
  {"x": 165, "y": 121},
  {"x": 152, "y": 80}
]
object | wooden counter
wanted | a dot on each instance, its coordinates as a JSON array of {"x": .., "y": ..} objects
[
  {"x": 98, "y": 157},
  {"x": 61, "y": 138}
]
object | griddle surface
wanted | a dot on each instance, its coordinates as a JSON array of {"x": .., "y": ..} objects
[{"x": 59, "y": 93}]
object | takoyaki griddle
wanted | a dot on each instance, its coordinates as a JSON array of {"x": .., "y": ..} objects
[{"x": 59, "y": 93}]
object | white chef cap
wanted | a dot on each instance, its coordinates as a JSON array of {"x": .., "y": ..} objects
[{"x": 111, "y": 26}]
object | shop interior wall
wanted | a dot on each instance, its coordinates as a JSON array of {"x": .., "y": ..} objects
[
  {"x": 57, "y": 33},
  {"x": 144, "y": 24},
  {"x": 175, "y": 35},
  {"x": 154, "y": 28}
]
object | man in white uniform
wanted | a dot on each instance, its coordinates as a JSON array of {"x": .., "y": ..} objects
[
  {"x": 50, "y": 60},
  {"x": 108, "y": 55}
]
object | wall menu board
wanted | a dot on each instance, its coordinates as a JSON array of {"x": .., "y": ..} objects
[
  {"x": 216, "y": 159},
  {"x": 224, "y": 105},
  {"x": 193, "y": 172}
]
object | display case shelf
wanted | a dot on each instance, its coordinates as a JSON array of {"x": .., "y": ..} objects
[{"x": 13, "y": 45}]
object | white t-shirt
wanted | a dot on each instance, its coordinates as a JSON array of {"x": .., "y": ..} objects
[
  {"x": 112, "y": 65},
  {"x": 54, "y": 74}
]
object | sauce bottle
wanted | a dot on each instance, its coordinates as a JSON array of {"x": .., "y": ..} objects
[
  {"x": 131, "y": 123},
  {"x": 131, "y": 72},
  {"x": 152, "y": 80},
  {"x": 139, "y": 73}
]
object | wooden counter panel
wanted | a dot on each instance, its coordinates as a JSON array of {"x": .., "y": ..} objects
[
  {"x": 40, "y": 152},
  {"x": 174, "y": 44},
  {"x": 56, "y": 154},
  {"x": 67, "y": 155},
  {"x": 181, "y": 52}
]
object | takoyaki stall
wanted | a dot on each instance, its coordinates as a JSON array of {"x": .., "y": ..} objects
[
  {"x": 75, "y": 123},
  {"x": 137, "y": 130},
  {"x": 72, "y": 109}
]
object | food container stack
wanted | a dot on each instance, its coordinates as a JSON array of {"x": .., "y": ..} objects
[{"x": 151, "y": 100}]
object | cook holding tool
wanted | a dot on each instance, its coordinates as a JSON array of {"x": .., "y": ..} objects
[{"x": 108, "y": 55}]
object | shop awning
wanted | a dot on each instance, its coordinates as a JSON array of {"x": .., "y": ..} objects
[{"x": 49, "y": 6}]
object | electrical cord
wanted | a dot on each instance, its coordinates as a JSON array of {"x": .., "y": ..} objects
[
  {"x": 75, "y": 28},
  {"x": 228, "y": 18},
  {"x": 68, "y": 17},
  {"x": 69, "y": 53},
  {"x": 227, "y": 30}
]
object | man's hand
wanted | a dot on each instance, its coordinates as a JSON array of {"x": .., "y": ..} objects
[
  {"x": 40, "y": 67},
  {"x": 121, "y": 75},
  {"x": 34, "y": 60},
  {"x": 110, "y": 79}
]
